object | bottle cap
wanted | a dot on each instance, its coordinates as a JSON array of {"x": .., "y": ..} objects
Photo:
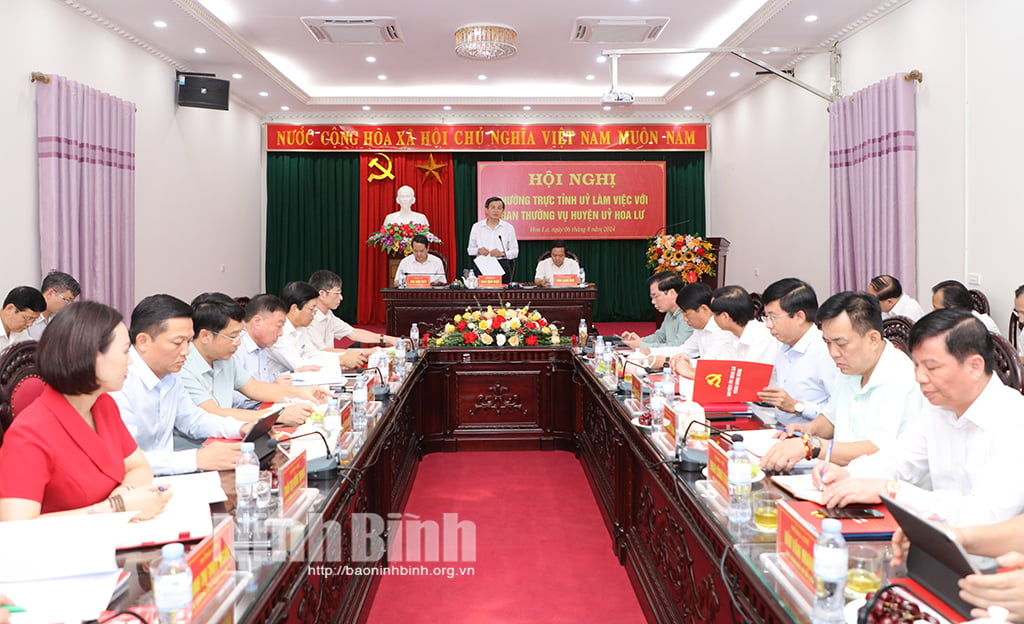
[
  {"x": 172, "y": 551},
  {"x": 248, "y": 446},
  {"x": 739, "y": 445},
  {"x": 737, "y": 437},
  {"x": 831, "y": 525}
]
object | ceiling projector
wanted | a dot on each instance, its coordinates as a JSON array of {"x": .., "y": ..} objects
[{"x": 617, "y": 98}]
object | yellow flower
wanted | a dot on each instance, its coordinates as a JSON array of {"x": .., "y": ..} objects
[
  {"x": 514, "y": 324},
  {"x": 484, "y": 324},
  {"x": 514, "y": 340},
  {"x": 449, "y": 329},
  {"x": 688, "y": 256},
  {"x": 476, "y": 315},
  {"x": 457, "y": 319},
  {"x": 439, "y": 341},
  {"x": 486, "y": 339},
  {"x": 545, "y": 330}
]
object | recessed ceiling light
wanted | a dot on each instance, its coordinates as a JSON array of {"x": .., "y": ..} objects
[
  {"x": 590, "y": 76},
  {"x": 606, "y": 108},
  {"x": 264, "y": 94},
  {"x": 160, "y": 24},
  {"x": 811, "y": 18},
  {"x": 527, "y": 108},
  {"x": 371, "y": 59},
  {"x": 200, "y": 50},
  {"x": 284, "y": 108},
  {"x": 734, "y": 75},
  {"x": 766, "y": 51},
  {"x": 602, "y": 59},
  {"x": 366, "y": 108},
  {"x": 481, "y": 77},
  {"x": 236, "y": 76},
  {"x": 382, "y": 77},
  {"x": 447, "y": 107},
  {"x": 709, "y": 93},
  {"x": 687, "y": 108}
]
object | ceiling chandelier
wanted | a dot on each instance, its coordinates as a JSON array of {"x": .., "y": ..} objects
[{"x": 485, "y": 42}]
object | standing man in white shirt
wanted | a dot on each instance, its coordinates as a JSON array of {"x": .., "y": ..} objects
[
  {"x": 804, "y": 375},
  {"x": 420, "y": 262},
  {"x": 59, "y": 289},
  {"x": 960, "y": 460},
  {"x": 494, "y": 237},
  {"x": 556, "y": 264},
  {"x": 327, "y": 327},
  {"x": 893, "y": 300},
  {"x": 734, "y": 313},
  {"x": 22, "y": 307}
]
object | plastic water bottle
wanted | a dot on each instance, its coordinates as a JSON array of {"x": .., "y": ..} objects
[
  {"x": 740, "y": 475},
  {"x": 172, "y": 586},
  {"x": 830, "y": 562},
  {"x": 582, "y": 278},
  {"x": 247, "y": 474},
  {"x": 657, "y": 408},
  {"x": 668, "y": 382},
  {"x": 608, "y": 365},
  {"x": 583, "y": 334},
  {"x": 359, "y": 398},
  {"x": 332, "y": 420},
  {"x": 414, "y": 337},
  {"x": 400, "y": 358}
]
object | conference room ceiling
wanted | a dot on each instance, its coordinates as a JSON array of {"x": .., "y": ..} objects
[{"x": 286, "y": 73}]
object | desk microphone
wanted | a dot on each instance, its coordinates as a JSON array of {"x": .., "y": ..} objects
[
  {"x": 324, "y": 467},
  {"x": 691, "y": 459},
  {"x": 504, "y": 252}
]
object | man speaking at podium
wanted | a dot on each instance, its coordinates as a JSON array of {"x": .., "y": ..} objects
[{"x": 494, "y": 237}]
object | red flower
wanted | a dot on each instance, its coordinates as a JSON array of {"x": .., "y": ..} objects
[
  {"x": 542, "y": 322},
  {"x": 700, "y": 251},
  {"x": 461, "y": 326},
  {"x": 678, "y": 244},
  {"x": 425, "y": 340},
  {"x": 531, "y": 341},
  {"x": 691, "y": 277},
  {"x": 496, "y": 322},
  {"x": 469, "y": 337},
  {"x": 531, "y": 325},
  {"x": 501, "y": 319}
]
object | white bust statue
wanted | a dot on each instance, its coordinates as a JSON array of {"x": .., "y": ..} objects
[{"x": 405, "y": 198}]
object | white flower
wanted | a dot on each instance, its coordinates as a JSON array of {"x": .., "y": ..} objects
[{"x": 500, "y": 340}]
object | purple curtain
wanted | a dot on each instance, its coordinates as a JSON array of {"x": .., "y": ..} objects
[
  {"x": 873, "y": 157},
  {"x": 86, "y": 145}
]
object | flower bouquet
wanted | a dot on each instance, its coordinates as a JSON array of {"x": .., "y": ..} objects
[
  {"x": 688, "y": 255},
  {"x": 397, "y": 237},
  {"x": 498, "y": 327}
]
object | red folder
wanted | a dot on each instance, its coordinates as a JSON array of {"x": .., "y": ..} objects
[
  {"x": 859, "y": 529},
  {"x": 729, "y": 381}
]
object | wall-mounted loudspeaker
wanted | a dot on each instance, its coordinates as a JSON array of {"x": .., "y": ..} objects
[{"x": 201, "y": 91}]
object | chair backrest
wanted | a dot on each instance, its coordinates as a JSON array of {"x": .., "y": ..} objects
[
  {"x": 1015, "y": 327},
  {"x": 568, "y": 254},
  {"x": 896, "y": 330},
  {"x": 20, "y": 383},
  {"x": 444, "y": 261},
  {"x": 1007, "y": 365},
  {"x": 979, "y": 301},
  {"x": 758, "y": 306}
]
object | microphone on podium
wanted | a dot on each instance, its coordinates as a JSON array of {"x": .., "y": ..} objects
[
  {"x": 324, "y": 467},
  {"x": 691, "y": 459},
  {"x": 664, "y": 229}
]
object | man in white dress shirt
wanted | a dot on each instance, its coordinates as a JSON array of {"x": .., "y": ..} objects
[
  {"x": 420, "y": 262},
  {"x": 953, "y": 294},
  {"x": 59, "y": 289},
  {"x": 960, "y": 461},
  {"x": 734, "y": 313},
  {"x": 327, "y": 327},
  {"x": 556, "y": 264},
  {"x": 494, "y": 237},
  {"x": 22, "y": 307},
  {"x": 708, "y": 340},
  {"x": 804, "y": 375},
  {"x": 893, "y": 300}
]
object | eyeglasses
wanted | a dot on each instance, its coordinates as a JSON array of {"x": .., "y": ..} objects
[
  {"x": 333, "y": 292},
  {"x": 67, "y": 299},
  {"x": 774, "y": 318},
  {"x": 234, "y": 339}
]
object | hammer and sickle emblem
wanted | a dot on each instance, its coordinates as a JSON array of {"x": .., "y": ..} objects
[
  {"x": 384, "y": 169},
  {"x": 714, "y": 380}
]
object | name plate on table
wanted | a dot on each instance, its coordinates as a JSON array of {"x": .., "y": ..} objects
[
  {"x": 563, "y": 281},
  {"x": 489, "y": 281},
  {"x": 794, "y": 541},
  {"x": 292, "y": 481},
  {"x": 212, "y": 564},
  {"x": 417, "y": 281},
  {"x": 718, "y": 469}
]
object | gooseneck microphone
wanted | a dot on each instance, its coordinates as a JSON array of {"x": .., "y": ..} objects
[
  {"x": 691, "y": 459},
  {"x": 325, "y": 467}
]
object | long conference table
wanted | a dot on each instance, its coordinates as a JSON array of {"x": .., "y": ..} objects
[{"x": 679, "y": 555}]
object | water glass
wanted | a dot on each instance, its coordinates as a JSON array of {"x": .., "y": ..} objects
[
  {"x": 864, "y": 571},
  {"x": 766, "y": 514},
  {"x": 264, "y": 487}
]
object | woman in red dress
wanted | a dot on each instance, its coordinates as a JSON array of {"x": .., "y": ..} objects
[{"x": 69, "y": 451}]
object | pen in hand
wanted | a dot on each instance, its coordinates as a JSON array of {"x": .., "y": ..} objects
[{"x": 828, "y": 458}]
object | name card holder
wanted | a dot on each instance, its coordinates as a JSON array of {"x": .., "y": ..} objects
[
  {"x": 417, "y": 281},
  {"x": 212, "y": 564},
  {"x": 292, "y": 481},
  {"x": 565, "y": 281},
  {"x": 794, "y": 541},
  {"x": 489, "y": 281}
]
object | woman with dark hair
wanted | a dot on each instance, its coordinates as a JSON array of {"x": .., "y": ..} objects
[{"x": 69, "y": 451}]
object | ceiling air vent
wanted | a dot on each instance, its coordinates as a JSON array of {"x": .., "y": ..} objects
[
  {"x": 617, "y": 29},
  {"x": 353, "y": 30}
]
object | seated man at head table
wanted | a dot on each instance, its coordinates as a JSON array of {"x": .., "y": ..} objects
[
  {"x": 733, "y": 311},
  {"x": 954, "y": 295},
  {"x": 154, "y": 403},
  {"x": 22, "y": 307},
  {"x": 295, "y": 349},
  {"x": 875, "y": 396},
  {"x": 959, "y": 460},
  {"x": 59, "y": 289},
  {"x": 68, "y": 452},
  {"x": 420, "y": 262},
  {"x": 326, "y": 327},
  {"x": 804, "y": 375},
  {"x": 893, "y": 300},
  {"x": 556, "y": 264},
  {"x": 211, "y": 374},
  {"x": 665, "y": 289}
]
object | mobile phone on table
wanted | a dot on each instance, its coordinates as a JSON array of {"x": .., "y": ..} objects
[{"x": 852, "y": 513}]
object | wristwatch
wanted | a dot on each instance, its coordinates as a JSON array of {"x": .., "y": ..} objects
[
  {"x": 798, "y": 407},
  {"x": 815, "y": 447}
]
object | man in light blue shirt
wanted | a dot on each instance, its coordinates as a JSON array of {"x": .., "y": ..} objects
[
  {"x": 263, "y": 325},
  {"x": 154, "y": 403},
  {"x": 804, "y": 375},
  {"x": 674, "y": 331}
]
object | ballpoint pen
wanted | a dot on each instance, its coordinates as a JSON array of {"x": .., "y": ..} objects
[
  {"x": 828, "y": 458},
  {"x": 12, "y": 608}
]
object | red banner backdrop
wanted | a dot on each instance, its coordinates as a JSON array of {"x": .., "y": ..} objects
[
  {"x": 569, "y": 138},
  {"x": 585, "y": 199},
  {"x": 378, "y": 184}
]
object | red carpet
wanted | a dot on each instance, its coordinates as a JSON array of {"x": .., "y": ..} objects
[{"x": 542, "y": 551}]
